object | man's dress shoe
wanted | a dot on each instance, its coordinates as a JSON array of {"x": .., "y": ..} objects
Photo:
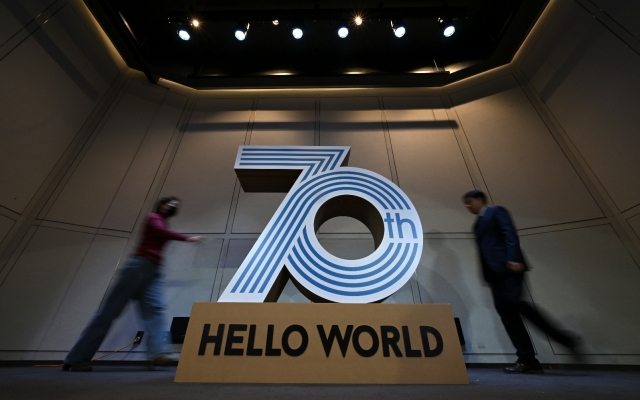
[
  {"x": 77, "y": 367},
  {"x": 520, "y": 368}
]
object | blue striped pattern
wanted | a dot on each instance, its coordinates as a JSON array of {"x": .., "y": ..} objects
[
  {"x": 273, "y": 246},
  {"x": 289, "y": 238},
  {"x": 376, "y": 276},
  {"x": 313, "y": 159}
]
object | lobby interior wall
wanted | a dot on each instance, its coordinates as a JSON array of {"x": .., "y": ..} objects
[
  {"x": 579, "y": 69},
  {"x": 58, "y": 76},
  {"x": 494, "y": 132}
]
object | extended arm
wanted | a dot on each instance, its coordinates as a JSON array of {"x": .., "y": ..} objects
[{"x": 157, "y": 227}]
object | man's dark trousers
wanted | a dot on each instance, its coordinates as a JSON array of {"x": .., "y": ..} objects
[
  {"x": 498, "y": 243},
  {"x": 506, "y": 289}
]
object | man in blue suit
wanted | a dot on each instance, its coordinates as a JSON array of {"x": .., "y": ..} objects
[{"x": 503, "y": 267}]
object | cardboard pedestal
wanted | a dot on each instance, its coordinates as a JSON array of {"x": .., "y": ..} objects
[{"x": 322, "y": 343}]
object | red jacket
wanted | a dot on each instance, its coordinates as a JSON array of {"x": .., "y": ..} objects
[{"x": 154, "y": 236}]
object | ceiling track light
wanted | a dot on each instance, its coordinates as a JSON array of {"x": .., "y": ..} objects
[
  {"x": 398, "y": 28},
  {"x": 343, "y": 30},
  {"x": 297, "y": 30},
  {"x": 184, "y": 31},
  {"x": 241, "y": 31},
  {"x": 447, "y": 27}
]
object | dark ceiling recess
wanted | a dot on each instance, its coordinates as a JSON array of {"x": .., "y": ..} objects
[{"x": 488, "y": 34}]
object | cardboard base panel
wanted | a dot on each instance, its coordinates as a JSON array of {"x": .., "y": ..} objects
[{"x": 322, "y": 343}]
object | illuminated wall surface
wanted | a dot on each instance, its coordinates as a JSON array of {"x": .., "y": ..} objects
[{"x": 87, "y": 146}]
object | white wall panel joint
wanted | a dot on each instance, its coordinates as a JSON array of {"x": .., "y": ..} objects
[
  {"x": 8, "y": 44},
  {"x": 611, "y": 24}
]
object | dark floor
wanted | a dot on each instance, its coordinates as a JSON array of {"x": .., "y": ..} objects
[{"x": 137, "y": 382}]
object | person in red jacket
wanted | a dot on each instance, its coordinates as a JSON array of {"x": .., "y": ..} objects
[{"x": 141, "y": 279}]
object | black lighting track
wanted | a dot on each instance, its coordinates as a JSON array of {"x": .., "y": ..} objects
[
  {"x": 321, "y": 14},
  {"x": 175, "y": 66}
]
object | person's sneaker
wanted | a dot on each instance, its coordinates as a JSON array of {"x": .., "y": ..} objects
[
  {"x": 163, "y": 360},
  {"x": 520, "y": 368},
  {"x": 77, "y": 367}
]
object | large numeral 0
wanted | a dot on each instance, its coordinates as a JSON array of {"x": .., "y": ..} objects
[{"x": 320, "y": 187}]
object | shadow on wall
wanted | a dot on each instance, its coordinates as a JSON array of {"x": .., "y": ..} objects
[
  {"x": 436, "y": 288},
  {"x": 578, "y": 52},
  {"x": 342, "y": 126}
]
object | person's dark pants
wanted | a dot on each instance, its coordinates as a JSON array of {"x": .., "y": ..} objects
[
  {"x": 506, "y": 289},
  {"x": 139, "y": 280}
]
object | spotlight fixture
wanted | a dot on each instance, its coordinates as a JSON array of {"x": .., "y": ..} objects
[
  {"x": 297, "y": 30},
  {"x": 275, "y": 22},
  {"x": 398, "y": 28},
  {"x": 343, "y": 31},
  {"x": 241, "y": 31},
  {"x": 358, "y": 20},
  {"x": 195, "y": 23},
  {"x": 184, "y": 31},
  {"x": 447, "y": 27}
]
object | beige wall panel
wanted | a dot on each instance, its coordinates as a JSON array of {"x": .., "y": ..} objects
[
  {"x": 127, "y": 204},
  {"x": 431, "y": 170},
  {"x": 521, "y": 163},
  {"x": 291, "y": 294},
  {"x": 355, "y": 122},
  {"x": 190, "y": 274},
  {"x": 10, "y": 23},
  {"x": 286, "y": 122},
  {"x": 449, "y": 273},
  {"x": 343, "y": 225},
  {"x": 624, "y": 12},
  {"x": 635, "y": 224},
  {"x": 87, "y": 195},
  {"x": 15, "y": 14},
  {"x": 349, "y": 249},
  {"x": 32, "y": 292},
  {"x": 5, "y": 226},
  {"x": 202, "y": 171},
  {"x": 404, "y": 295},
  {"x": 50, "y": 85},
  {"x": 255, "y": 210},
  {"x": 86, "y": 292},
  {"x": 587, "y": 280},
  {"x": 237, "y": 251},
  {"x": 589, "y": 80},
  {"x": 80, "y": 49},
  {"x": 278, "y": 122}
]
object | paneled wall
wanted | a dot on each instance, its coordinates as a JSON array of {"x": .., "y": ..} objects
[
  {"x": 549, "y": 137},
  {"x": 581, "y": 75},
  {"x": 14, "y": 15},
  {"x": 50, "y": 83},
  {"x": 430, "y": 166},
  {"x": 109, "y": 184},
  {"x": 55, "y": 75},
  {"x": 521, "y": 163},
  {"x": 588, "y": 78}
]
